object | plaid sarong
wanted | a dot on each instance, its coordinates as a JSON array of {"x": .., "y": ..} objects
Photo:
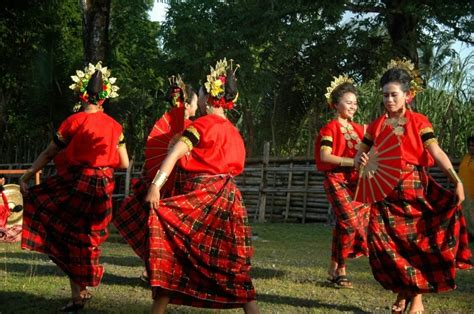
[
  {"x": 349, "y": 234},
  {"x": 200, "y": 244},
  {"x": 417, "y": 236},
  {"x": 67, "y": 218},
  {"x": 131, "y": 218}
]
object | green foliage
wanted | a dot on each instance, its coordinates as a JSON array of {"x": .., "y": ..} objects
[
  {"x": 136, "y": 61},
  {"x": 288, "y": 51}
]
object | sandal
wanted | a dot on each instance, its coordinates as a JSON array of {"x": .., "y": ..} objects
[
  {"x": 144, "y": 277},
  {"x": 342, "y": 281},
  {"x": 76, "y": 304},
  {"x": 400, "y": 305}
]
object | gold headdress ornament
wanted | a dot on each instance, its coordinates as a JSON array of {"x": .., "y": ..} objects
[
  {"x": 416, "y": 80},
  {"x": 177, "y": 93},
  {"x": 81, "y": 79},
  {"x": 335, "y": 83},
  {"x": 215, "y": 84}
]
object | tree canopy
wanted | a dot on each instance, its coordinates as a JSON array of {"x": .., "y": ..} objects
[{"x": 288, "y": 52}]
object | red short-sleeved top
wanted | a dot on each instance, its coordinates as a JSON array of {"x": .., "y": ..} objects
[
  {"x": 90, "y": 140},
  {"x": 417, "y": 135},
  {"x": 216, "y": 147},
  {"x": 339, "y": 140}
]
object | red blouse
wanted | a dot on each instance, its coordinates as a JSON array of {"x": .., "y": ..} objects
[
  {"x": 216, "y": 147},
  {"x": 339, "y": 140},
  {"x": 90, "y": 140},
  {"x": 418, "y": 134}
]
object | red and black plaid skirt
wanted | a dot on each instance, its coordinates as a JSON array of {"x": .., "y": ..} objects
[
  {"x": 349, "y": 238},
  {"x": 417, "y": 236},
  {"x": 131, "y": 218},
  {"x": 67, "y": 218},
  {"x": 200, "y": 244}
]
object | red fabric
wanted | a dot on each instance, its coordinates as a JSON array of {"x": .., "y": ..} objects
[
  {"x": 220, "y": 150},
  {"x": 350, "y": 232},
  {"x": 4, "y": 211},
  {"x": 339, "y": 147},
  {"x": 413, "y": 151},
  {"x": 67, "y": 218},
  {"x": 92, "y": 139},
  {"x": 200, "y": 243},
  {"x": 417, "y": 236}
]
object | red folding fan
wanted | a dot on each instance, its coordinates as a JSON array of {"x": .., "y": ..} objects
[
  {"x": 171, "y": 124},
  {"x": 379, "y": 176}
]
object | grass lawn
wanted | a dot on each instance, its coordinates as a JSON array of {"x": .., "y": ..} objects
[{"x": 289, "y": 272}]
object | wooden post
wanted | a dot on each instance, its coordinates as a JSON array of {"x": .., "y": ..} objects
[
  {"x": 288, "y": 194},
  {"x": 127, "y": 178},
  {"x": 305, "y": 196},
  {"x": 22, "y": 171},
  {"x": 262, "y": 201}
]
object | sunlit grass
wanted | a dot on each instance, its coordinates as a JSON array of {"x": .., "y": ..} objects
[{"x": 289, "y": 271}]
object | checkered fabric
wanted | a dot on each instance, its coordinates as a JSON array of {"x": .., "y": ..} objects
[
  {"x": 349, "y": 238},
  {"x": 67, "y": 218},
  {"x": 417, "y": 236},
  {"x": 131, "y": 218},
  {"x": 200, "y": 244}
]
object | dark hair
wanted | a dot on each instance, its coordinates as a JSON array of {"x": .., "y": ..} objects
[
  {"x": 94, "y": 87},
  {"x": 470, "y": 139},
  {"x": 188, "y": 93},
  {"x": 230, "y": 86},
  {"x": 396, "y": 75},
  {"x": 340, "y": 90}
]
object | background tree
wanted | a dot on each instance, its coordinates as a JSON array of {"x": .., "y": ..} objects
[{"x": 95, "y": 23}]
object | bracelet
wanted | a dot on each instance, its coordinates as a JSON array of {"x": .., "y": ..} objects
[
  {"x": 454, "y": 176},
  {"x": 160, "y": 179},
  {"x": 26, "y": 176},
  {"x": 347, "y": 162}
]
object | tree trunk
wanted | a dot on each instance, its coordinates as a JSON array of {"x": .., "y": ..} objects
[
  {"x": 249, "y": 128},
  {"x": 402, "y": 21},
  {"x": 95, "y": 21}
]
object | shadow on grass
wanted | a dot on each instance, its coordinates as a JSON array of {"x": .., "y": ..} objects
[
  {"x": 53, "y": 270},
  {"x": 129, "y": 261},
  {"x": 21, "y": 302},
  {"x": 307, "y": 303},
  {"x": 265, "y": 273}
]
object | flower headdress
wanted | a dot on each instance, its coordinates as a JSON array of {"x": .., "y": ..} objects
[
  {"x": 341, "y": 79},
  {"x": 81, "y": 79},
  {"x": 216, "y": 85},
  {"x": 176, "y": 94},
  {"x": 416, "y": 80}
]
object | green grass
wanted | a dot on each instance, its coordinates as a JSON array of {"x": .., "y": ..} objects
[{"x": 289, "y": 272}]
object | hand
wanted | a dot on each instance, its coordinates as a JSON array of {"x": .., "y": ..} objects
[
  {"x": 361, "y": 160},
  {"x": 153, "y": 197},
  {"x": 459, "y": 193}
]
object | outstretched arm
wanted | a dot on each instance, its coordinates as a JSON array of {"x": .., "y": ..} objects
[
  {"x": 443, "y": 162},
  {"x": 179, "y": 150},
  {"x": 45, "y": 157}
]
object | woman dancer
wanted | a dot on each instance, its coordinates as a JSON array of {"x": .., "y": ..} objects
[
  {"x": 132, "y": 217},
  {"x": 199, "y": 239},
  {"x": 66, "y": 216},
  {"x": 336, "y": 146},
  {"x": 417, "y": 234}
]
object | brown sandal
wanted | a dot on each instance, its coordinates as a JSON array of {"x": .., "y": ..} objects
[{"x": 76, "y": 304}]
